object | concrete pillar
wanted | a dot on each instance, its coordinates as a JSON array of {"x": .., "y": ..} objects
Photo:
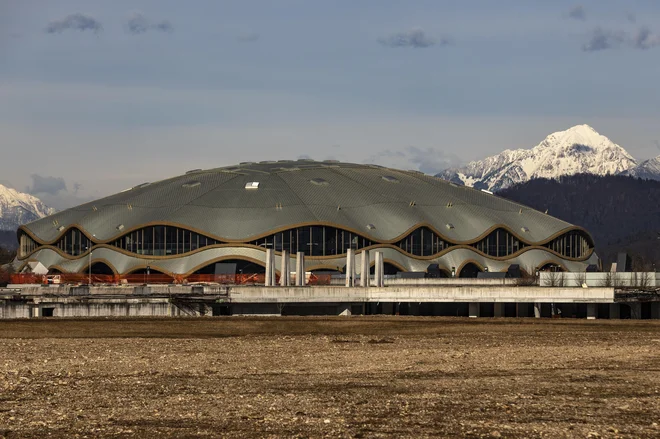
[
  {"x": 473, "y": 309},
  {"x": 388, "y": 308},
  {"x": 592, "y": 311},
  {"x": 615, "y": 311},
  {"x": 498, "y": 309},
  {"x": 300, "y": 269},
  {"x": 364, "y": 269},
  {"x": 270, "y": 269},
  {"x": 537, "y": 310},
  {"x": 285, "y": 270},
  {"x": 655, "y": 310},
  {"x": 635, "y": 310},
  {"x": 379, "y": 270},
  {"x": 350, "y": 267}
]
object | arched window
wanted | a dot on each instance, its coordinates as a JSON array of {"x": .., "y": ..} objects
[
  {"x": 314, "y": 241},
  {"x": 162, "y": 241}
]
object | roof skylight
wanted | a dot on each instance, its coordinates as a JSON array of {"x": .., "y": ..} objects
[{"x": 390, "y": 179}]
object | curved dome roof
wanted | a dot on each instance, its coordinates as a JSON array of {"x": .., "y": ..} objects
[{"x": 243, "y": 202}]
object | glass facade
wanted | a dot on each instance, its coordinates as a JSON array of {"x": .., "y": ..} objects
[
  {"x": 162, "y": 241},
  {"x": 26, "y": 245},
  {"x": 74, "y": 242},
  {"x": 314, "y": 241},
  {"x": 499, "y": 243},
  {"x": 574, "y": 244},
  {"x": 423, "y": 242}
]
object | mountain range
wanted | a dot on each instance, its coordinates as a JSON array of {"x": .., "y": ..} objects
[{"x": 578, "y": 150}]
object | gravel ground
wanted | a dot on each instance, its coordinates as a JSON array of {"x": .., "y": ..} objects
[{"x": 329, "y": 377}]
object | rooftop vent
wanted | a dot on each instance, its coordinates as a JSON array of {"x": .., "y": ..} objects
[
  {"x": 191, "y": 184},
  {"x": 524, "y": 229},
  {"x": 94, "y": 208},
  {"x": 451, "y": 183},
  {"x": 192, "y": 171},
  {"x": 60, "y": 228},
  {"x": 390, "y": 179},
  {"x": 246, "y": 163},
  {"x": 486, "y": 191},
  {"x": 120, "y": 227},
  {"x": 252, "y": 185},
  {"x": 412, "y": 203},
  {"x": 319, "y": 182},
  {"x": 370, "y": 226},
  {"x": 450, "y": 204},
  {"x": 449, "y": 226},
  {"x": 140, "y": 186}
]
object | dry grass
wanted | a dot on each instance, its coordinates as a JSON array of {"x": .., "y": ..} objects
[{"x": 334, "y": 377}]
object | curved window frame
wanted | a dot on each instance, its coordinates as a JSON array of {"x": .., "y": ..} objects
[{"x": 314, "y": 240}]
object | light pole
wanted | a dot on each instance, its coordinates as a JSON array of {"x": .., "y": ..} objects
[{"x": 91, "y": 243}]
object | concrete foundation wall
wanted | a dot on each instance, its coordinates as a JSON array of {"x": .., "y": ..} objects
[{"x": 420, "y": 294}]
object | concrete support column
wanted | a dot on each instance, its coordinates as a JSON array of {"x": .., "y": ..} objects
[
  {"x": 592, "y": 311},
  {"x": 379, "y": 270},
  {"x": 300, "y": 269},
  {"x": 655, "y": 310},
  {"x": 270, "y": 267},
  {"x": 615, "y": 311},
  {"x": 473, "y": 309},
  {"x": 350, "y": 267},
  {"x": 522, "y": 310},
  {"x": 364, "y": 269},
  {"x": 285, "y": 270},
  {"x": 498, "y": 309},
  {"x": 635, "y": 310},
  {"x": 537, "y": 310}
]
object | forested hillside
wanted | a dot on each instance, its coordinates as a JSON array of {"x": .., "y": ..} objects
[
  {"x": 8, "y": 239},
  {"x": 621, "y": 213}
]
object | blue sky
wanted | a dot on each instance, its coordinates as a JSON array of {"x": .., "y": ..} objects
[{"x": 105, "y": 95}]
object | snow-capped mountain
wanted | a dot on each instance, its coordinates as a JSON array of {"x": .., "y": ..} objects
[
  {"x": 17, "y": 208},
  {"x": 647, "y": 170},
  {"x": 579, "y": 149}
]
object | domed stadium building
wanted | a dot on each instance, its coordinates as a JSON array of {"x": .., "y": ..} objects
[{"x": 219, "y": 220}]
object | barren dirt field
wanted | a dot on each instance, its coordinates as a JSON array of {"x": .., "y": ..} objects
[{"x": 329, "y": 377}]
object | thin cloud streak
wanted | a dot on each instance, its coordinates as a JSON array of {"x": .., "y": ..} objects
[
  {"x": 578, "y": 13},
  {"x": 415, "y": 38},
  {"x": 77, "y": 21},
  {"x": 138, "y": 24},
  {"x": 604, "y": 39}
]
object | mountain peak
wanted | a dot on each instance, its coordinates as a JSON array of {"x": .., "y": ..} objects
[
  {"x": 17, "y": 208},
  {"x": 579, "y": 149}
]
